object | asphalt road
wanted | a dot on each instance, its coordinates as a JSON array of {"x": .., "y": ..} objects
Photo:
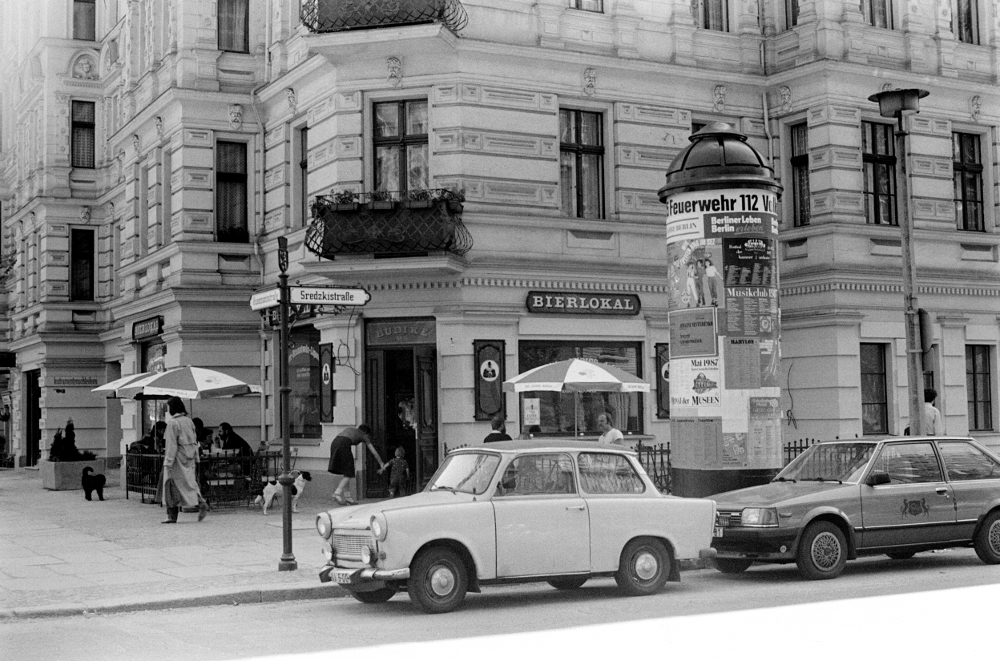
[{"x": 250, "y": 631}]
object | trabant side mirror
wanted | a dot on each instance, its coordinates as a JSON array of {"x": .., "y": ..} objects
[{"x": 877, "y": 478}]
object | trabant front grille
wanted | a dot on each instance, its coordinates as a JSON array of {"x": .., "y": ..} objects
[
  {"x": 727, "y": 519},
  {"x": 349, "y": 545}
]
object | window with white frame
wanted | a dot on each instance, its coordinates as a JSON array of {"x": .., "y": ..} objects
[
  {"x": 979, "y": 386},
  {"x": 877, "y": 13},
  {"x": 879, "y": 163},
  {"x": 233, "y": 23},
  {"x": 82, "y": 123},
  {"x": 800, "y": 174},
  {"x": 85, "y": 20},
  {"x": 81, "y": 264},
  {"x": 874, "y": 393},
  {"x": 401, "y": 146},
  {"x": 965, "y": 21},
  {"x": 967, "y": 166},
  {"x": 581, "y": 163},
  {"x": 711, "y": 14},
  {"x": 231, "y": 192}
]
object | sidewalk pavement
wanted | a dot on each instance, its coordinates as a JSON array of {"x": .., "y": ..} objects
[{"x": 63, "y": 555}]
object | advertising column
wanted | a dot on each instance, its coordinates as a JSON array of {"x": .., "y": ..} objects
[{"x": 724, "y": 321}]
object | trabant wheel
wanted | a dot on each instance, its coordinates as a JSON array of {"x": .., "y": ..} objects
[
  {"x": 644, "y": 567},
  {"x": 732, "y": 565},
  {"x": 374, "y": 596},
  {"x": 901, "y": 555},
  {"x": 568, "y": 583},
  {"x": 438, "y": 580},
  {"x": 987, "y": 540},
  {"x": 822, "y": 551}
]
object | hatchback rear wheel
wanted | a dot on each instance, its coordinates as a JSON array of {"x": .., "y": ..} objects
[
  {"x": 822, "y": 551},
  {"x": 644, "y": 567},
  {"x": 987, "y": 540}
]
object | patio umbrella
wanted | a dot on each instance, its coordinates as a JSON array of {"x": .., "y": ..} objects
[
  {"x": 113, "y": 386},
  {"x": 576, "y": 376},
  {"x": 187, "y": 383}
]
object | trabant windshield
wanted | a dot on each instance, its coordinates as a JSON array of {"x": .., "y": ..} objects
[
  {"x": 468, "y": 472},
  {"x": 834, "y": 462}
]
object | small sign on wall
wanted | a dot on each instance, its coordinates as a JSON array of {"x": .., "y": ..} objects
[
  {"x": 327, "y": 395},
  {"x": 488, "y": 358},
  {"x": 531, "y": 413}
]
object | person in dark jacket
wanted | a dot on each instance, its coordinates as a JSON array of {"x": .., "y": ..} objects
[
  {"x": 499, "y": 432},
  {"x": 230, "y": 440}
]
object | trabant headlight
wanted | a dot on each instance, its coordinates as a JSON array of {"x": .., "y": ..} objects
[
  {"x": 759, "y": 517},
  {"x": 379, "y": 526},
  {"x": 324, "y": 525}
]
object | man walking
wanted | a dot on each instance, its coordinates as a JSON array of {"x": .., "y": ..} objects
[{"x": 933, "y": 424}]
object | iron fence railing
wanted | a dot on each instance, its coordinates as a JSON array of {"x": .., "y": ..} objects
[
  {"x": 338, "y": 15},
  {"x": 655, "y": 460}
]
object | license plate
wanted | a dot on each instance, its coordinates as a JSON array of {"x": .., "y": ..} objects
[
  {"x": 718, "y": 531},
  {"x": 343, "y": 575}
]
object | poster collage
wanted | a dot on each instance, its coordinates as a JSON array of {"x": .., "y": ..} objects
[{"x": 724, "y": 359}]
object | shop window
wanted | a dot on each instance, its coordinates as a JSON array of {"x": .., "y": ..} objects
[
  {"x": 567, "y": 413},
  {"x": 81, "y": 265},
  {"x": 231, "y": 192},
  {"x": 878, "y": 157},
  {"x": 874, "y": 394},
  {"x": 581, "y": 166},
  {"x": 965, "y": 21},
  {"x": 153, "y": 358},
  {"x": 305, "y": 380},
  {"x": 401, "y": 146},
  {"x": 711, "y": 14},
  {"x": 979, "y": 386},
  {"x": 967, "y": 160},
  {"x": 85, "y": 20},
  {"x": 82, "y": 129},
  {"x": 800, "y": 174},
  {"x": 877, "y": 13},
  {"x": 234, "y": 20}
]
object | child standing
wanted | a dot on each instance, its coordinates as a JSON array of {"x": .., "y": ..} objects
[{"x": 399, "y": 473}]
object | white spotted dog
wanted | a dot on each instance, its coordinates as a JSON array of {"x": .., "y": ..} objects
[{"x": 272, "y": 491}]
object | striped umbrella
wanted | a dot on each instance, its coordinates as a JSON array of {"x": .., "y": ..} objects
[
  {"x": 576, "y": 375},
  {"x": 113, "y": 386},
  {"x": 187, "y": 383}
]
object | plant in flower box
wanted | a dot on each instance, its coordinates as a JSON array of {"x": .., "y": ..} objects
[
  {"x": 418, "y": 198},
  {"x": 345, "y": 200},
  {"x": 382, "y": 199}
]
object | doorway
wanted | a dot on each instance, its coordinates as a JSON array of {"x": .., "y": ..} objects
[{"x": 32, "y": 417}]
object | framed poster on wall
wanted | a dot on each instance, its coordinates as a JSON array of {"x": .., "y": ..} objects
[
  {"x": 488, "y": 359},
  {"x": 327, "y": 396},
  {"x": 663, "y": 381}
]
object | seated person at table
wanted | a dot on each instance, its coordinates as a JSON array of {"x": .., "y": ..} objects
[
  {"x": 230, "y": 440},
  {"x": 204, "y": 436},
  {"x": 152, "y": 442}
]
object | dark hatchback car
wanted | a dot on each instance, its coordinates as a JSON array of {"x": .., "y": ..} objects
[{"x": 842, "y": 499}]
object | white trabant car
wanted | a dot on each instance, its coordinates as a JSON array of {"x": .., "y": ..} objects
[{"x": 517, "y": 511}]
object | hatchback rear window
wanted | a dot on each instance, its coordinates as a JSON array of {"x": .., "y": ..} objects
[{"x": 602, "y": 473}]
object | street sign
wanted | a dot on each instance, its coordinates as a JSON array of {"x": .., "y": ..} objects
[
  {"x": 327, "y": 296},
  {"x": 265, "y": 299}
]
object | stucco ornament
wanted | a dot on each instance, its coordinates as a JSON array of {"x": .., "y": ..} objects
[
  {"x": 589, "y": 82},
  {"x": 158, "y": 123},
  {"x": 85, "y": 215},
  {"x": 784, "y": 99},
  {"x": 395, "y": 68},
  {"x": 85, "y": 68},
  {"x": 720, "y": 98},
  {"x": 293, "y": 102},
  {"x": 136, "y": 143},
  {"x": 236, "y": 117},
  {"x": 886, "y": 87},
  {"x": 975, "y": 107}
]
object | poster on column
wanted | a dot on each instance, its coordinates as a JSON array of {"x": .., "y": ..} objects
[
  {"x": 695, "y": 388},
  {"x": 764, "y": 444}
]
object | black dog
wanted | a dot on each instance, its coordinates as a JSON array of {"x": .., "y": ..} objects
[{"x": 92, "y": 483}]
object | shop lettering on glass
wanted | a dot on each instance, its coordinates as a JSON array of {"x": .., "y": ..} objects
[
  {"x": 574, "y": 303},
  {"x": 384, "y": 332}
]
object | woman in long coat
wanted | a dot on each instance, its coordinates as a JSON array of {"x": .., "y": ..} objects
[{"x": 180, "y": 481}]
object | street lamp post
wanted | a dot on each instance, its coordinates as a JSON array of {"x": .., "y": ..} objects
[
  {"x": 287, "y": 562},
  {"x": 898, "y": 103}
]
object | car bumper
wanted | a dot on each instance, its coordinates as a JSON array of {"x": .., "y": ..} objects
[
  {"x": 367, "y": 577},
  {"x": 756, "y": 544}
]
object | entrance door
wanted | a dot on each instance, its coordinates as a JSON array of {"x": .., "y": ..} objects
[
  {"x": 32, "y": 416},
  {"x": 425, "y": 366}
]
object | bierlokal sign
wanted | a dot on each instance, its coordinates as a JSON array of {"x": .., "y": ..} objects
[{"x": 583, "y": 303}]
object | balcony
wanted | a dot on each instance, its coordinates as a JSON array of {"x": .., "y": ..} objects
[
  {"x": 339, "y": 15},
  {"x": 387, "y": 223}
]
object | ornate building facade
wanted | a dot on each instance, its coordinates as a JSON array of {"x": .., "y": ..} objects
[{"x": 488, "y": 172}]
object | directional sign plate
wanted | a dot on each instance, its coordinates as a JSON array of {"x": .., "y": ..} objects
[
  {"x": 265, "y": 299},
  {"x": 327, "y": 296}
]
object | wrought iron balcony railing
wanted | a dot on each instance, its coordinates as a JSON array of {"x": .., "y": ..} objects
[
  {"x": 388, "y": 223},
  {"x": 337, "y": 15}
]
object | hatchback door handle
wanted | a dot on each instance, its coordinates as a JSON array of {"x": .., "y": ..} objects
[{"x": 579, "y": 508}]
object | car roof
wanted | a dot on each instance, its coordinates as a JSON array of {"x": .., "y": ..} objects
[
  {"x": 543, "y": 444},
  {"x": 887, "y": 439}
]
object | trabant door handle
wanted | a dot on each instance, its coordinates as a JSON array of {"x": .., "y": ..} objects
[
  {"x": 942, "y": 491},
  {"x": 579, "y": 508}
]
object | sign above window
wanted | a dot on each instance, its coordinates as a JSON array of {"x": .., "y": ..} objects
[
  {"x": 583, "y": 303},
  {"x": 147, "y": 328}
]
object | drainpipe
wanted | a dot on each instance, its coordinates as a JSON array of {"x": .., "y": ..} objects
[{"x": 767, "y": 129}]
